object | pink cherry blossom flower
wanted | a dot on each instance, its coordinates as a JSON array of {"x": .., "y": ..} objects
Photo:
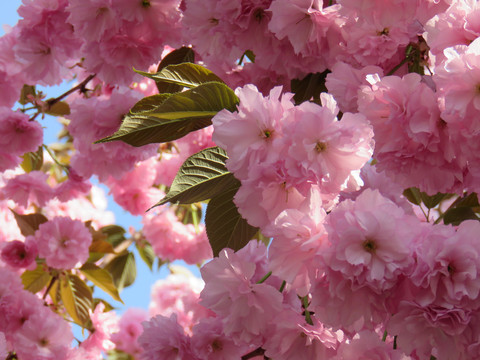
[
  {"x": 325, "y": 149},
  {"x": 179, "y": 294},
  {"x": 294, "y": 338},
  {"x": 98, "y": 117},
  {"x": 163, "y": 338},
  {"x": 47, "y": 44},
  {"x": 29, "y": 188},
  {"x": 298, "y": 238},
  {"x": 411, "y": 145},
  {"x": 457, "y": 81},
  {"x": 20, "y": 254},
  {"x": 431, "y": 330},
  {"x": 246, "y": 307},
  {"x": 103, "y": 324},
  {"x": 16, "y": 307},
  {"x": 45, "y": 335},
  {"x": 93, "y": 28},
  {"x": 344, "y": 82},
  {"x": 455, "y": 26},
  {"x": 63, "y": 242},
  {"x": 448, "y": 267},
  {"x": 130, "y": 329},
  {"x": 172, "y": 240},
  {"x": 73, "y": 187},
  {"x": 10, "y": 283},
  {"x": 93, "y": 208},
  {"x": 250, "y": 135},
  {"x": 370, "y": 243},
  {"x": 209, "y": 342}
]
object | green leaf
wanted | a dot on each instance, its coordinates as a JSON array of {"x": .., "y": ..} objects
[
  {"x": 76, "y": 297},
  {"x": 118, "y": 355},
  {"x": 60, "y": 108},
  {"x": 413, "y": 195},
  {"x": 149, "y": 104},
  {"x": 432, "y": 201},
  {"x": 32, "y": 160},
  {"x": 55, "y": 293},
  {"x": 311, "y": 86},
  {"x": 108, "y": 306},
  {"x": 101, "y": 246},
  {"x": 123, "y": 270},
  {"x": 201, "y": 177},
  {"x": 101, "y": 278},
  {"x": 470, "y": 200},
  {"x": 184, "y": 75},
  {"x": 225, "y": 226},
  {"x": 26, "y": 90},
  {"x": 114, "y": 234},
  {"x": 177, "y": 56},
  {"x": 35, "y": 280},
  {"x": 177, "y": 116},
  {"x": 455, "y": 216},
  {"x": 146, "y": 253},
  {"x": 28, "y": 224}
]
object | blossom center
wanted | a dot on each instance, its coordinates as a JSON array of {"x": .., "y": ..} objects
[
  {"x": 101, "y": 11},
  {"x": 385, "y": 32},
  {"x": 320, "y": 146},
  {"x": 451, "y": 269},
  {"x": 267, "y": 133},
  {"x": 259, "y": 14},
  {"x": 217, "y": 345},
  {"x": 369, "y": 245},
  {"x": 146, "y": 3},
  {"x": 213, "y": 21},
  {"x": 43, "y": 342}
]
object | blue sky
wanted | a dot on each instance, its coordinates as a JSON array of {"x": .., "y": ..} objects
[{"x": 137, "y": 295}]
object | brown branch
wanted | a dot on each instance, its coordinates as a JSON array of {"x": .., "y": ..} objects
[
  {"x": 80, "y": 87},
  {"x": 252, "y": 354}
]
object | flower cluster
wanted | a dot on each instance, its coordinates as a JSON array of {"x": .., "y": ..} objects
[{"x": 352, "y": 140}]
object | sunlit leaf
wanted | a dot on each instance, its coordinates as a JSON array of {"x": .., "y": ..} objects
[
  {"x": 123, "y": 270},
  {"x": 101, "y": 278},
  {"x": 146, "y": 253},
  {"x": 177, "y": 116},
  {"x": 177, "y": 56},
  {"x": 225, "y": 226},
  {"x": 108, "y": 306},
  {"x": 35, "y": 280},
  {"x": 149, "y": 104},
  {"x": 32, "y": 160},
  {"x": 185, "y": 75},
  {"x": 201, "y": 177},
  {"x": 24, "y": 94},
  {"x": 60, "y": 108},
  {"x": 76, "y": 297},
  {"x": 101, "y": 246},
  {"x": 29, "y": 223}
]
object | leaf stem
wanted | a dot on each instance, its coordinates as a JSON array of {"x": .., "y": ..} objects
[
  {"x": 52, "y": 281},
  {"x": 54, "y": 158},
  {"x": 264, "y": 278},
  {"x": 257, "y": 352},
  {"x": 308, "y": 318},
  {"x": 80, "y": 87}
]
